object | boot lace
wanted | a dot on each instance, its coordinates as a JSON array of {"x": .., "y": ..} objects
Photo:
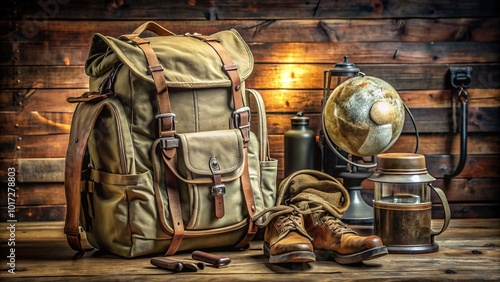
[
  {"x": 288, "y": 219},
  {"x": 336, "y": 226}
]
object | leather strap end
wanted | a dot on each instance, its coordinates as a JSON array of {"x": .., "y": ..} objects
[{"x": 219, "y": 206}]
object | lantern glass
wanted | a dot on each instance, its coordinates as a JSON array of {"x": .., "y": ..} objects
[{"x": 401, "y": 193}]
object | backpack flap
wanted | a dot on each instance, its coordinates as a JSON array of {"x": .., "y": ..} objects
[
  {"x": 197, "y": 149},
  {"x": 211, "y": 164},
  {"x": 187, "y": 61}
]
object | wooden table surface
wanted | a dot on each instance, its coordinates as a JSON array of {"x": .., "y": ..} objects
[{"x": 469, "y": 251}]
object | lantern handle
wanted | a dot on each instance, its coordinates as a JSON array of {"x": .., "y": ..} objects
[{"x": 447, "y": 212}]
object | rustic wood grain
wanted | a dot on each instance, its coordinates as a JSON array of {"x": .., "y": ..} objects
[
  {"x": 35, "y": 123},
  {"x": 269, "y": 76},
  {"x": 376, "y": 52},
  {"x": 468, "y": 251},
  {"x": 436, "y": 136},
  {"x": 428, "y": 120},
  {"x": 37, "y": 100},
  {"x": 242, "y": 9},
  {"x": 276, "y": 101},
  {"x": 477, "y": 166},
  {"x": 365, "y": 52},
  {"x": 410, "y": 44},
  {"x": 56, "y": 34},
  {"x": 36, "y": 213},
  {"x": 457, "y": 190},
  {"x": 484, "y": 143},
  {"x": 34, "y": 146},
  {"x": 457, "y": 209},
  {"x": 309, "y": 101},
  {"x": 34, "y": 194}
]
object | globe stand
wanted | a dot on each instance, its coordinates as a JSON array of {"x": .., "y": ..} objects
[
  {"x": 377, "y": 110},
  {"x": 359, "y": 212},
  {"x": 359, "y": 215}
]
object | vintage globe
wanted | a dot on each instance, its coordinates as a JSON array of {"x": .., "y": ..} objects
[{"x": 364, "y": 116}]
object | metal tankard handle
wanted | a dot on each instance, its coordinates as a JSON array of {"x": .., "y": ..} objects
[{"x": 447, "y": 213}]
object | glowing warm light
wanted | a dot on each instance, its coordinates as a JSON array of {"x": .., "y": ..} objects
[{"x": 290, "y": 75}]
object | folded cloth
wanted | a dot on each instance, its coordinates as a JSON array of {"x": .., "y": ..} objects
[
  {"x": 310, "y": 189},
  {"x": 307, "y": 191}
]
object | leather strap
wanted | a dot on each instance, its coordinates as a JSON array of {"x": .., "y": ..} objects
[
  {"x": 250, "y": 203},
  {"x": 155, "y": 69},
  {"x": 152, "y": 26},
  {"x": 232, "y": 72},
  {"x": 166, "y": 130},
  {"x": 218, "y": 189},
  {"x": 173, "y": 198},
  {"x": 174, "y": 203},
  {"x": 218, "y": 197},
  {"x": 75, "y": 155},
  {"x": 244, "y": 126}
]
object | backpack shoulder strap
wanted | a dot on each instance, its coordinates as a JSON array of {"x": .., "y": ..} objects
[
  {"x": 262, "y": 125},
  {"x": 84, "y": 119}
]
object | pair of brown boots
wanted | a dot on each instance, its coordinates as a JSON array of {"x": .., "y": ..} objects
[{"x": 305, "y": 224}]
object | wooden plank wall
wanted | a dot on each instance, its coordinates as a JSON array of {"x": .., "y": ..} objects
[{"x": 410, "y": 44}]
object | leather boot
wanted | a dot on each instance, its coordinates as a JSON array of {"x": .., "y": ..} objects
[
  {"x": 334, "y": 240},
  {"x": 286, "y": 241}
]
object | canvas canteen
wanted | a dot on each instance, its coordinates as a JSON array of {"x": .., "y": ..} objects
[{"x": 162, "y": 156}]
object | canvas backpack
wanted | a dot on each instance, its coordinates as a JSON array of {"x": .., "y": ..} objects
[{"x": 162, "y": 156}]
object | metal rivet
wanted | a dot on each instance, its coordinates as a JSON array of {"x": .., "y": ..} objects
[
  {"x": 237, "y": 88},
  {"x": 76, "y": 140}
]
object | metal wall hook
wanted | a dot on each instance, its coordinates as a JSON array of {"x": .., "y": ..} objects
[{"x": 461, "y": 78}]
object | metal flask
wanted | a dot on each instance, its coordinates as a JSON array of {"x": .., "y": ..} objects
[
  {"x": 402, "y": 204},
  {"x": 300, "y": 145}
]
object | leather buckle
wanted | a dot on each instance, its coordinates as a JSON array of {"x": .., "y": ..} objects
[
  {"x": 218, "y": 190},
  {"x": 159, "y": 117},
  {"x": 237, "y": 118}
]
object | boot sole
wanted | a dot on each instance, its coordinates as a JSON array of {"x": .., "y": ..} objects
[
  {"x": 291, "y": 257},
  {"x": 351, "y": 258}
]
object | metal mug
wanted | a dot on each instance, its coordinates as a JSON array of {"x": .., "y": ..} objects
[{"x": 402, "y": 204}]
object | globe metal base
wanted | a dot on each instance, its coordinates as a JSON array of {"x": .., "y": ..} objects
[{"x": 359, "y": 212}]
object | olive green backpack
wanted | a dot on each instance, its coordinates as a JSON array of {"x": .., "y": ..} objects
[{"x": 162, "y": 156}]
